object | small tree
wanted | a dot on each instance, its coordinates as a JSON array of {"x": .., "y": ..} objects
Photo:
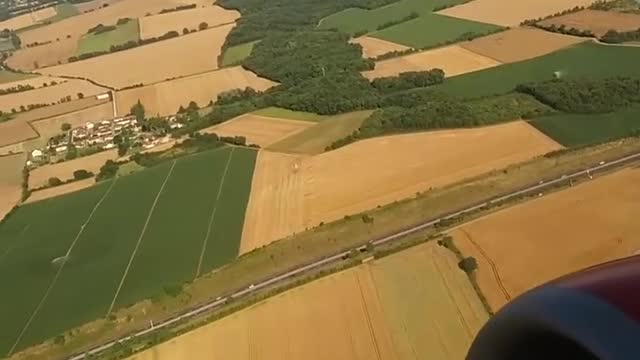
[
  {"x": 367, "y": 219},
  {"x": 80, "y": 95},
  {"x": 82, "y": 174},
  {"x": 54, "y": 181},
  {"x": 108, "y": 170},
  {"x": 72, "y": 153},
  {"x": 138, "y": 111},
  {"x": 65, "y": 127},
  {"x": 203, "y": 26},
  {"x": 185, "y": 31},
  {"x": 468, "y": 264}
]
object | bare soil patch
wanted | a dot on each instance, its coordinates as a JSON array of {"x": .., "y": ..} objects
[
  {"x": 50, "y": 94},
  {"x": 560, "y": 233},
  {"x": 520, "y": 44},
  {"x": 28, "y": 19},
  {"x": 454, "y": 60},
  {"x": 372, "y": 47},
  {"x": 165, "y": 98},
  {"x": 64, "y": 170},
  {"x": 60, "y": 190},
  {"x": 301, "y": 192},
  {"x": 151, "y": 63},
  {"x": 157, "y": 25},
  {"x": 259, "y": 130},
  {"x": 598, "y": 22},
  {"x": 36, "y": 57},
  {"x": 510, "y": 13},
  {"x": 10, "y": 182},
  {"x": 18, "y": 129}
]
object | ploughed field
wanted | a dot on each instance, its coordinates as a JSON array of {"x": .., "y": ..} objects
[
  {"x": 415, "y": 304},
  {"x": 70, "y": 259}
]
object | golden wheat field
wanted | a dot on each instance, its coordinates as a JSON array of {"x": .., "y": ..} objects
[
  {"x": 151, "y": 63},
  {"x": 32, "y": 58},
  {"x": 157, "y": 25},
  {"x": 372, "y": 47},
  {"x": 454, "y": 60},
  {"x": 379, "y": 310},
  {"x": 28, "y": 19},
  {"x": 510, "y": 13},
  {"x": 165, "y": 98},
  {"x": 50, "y": 94},
  {"x": 259, "y": 130},
  {"x": 585, "y": 225},
  {"x": 520, "y": 44},
  {"x": 291, "y": 193},
  {"x": 10, "y": 181}
]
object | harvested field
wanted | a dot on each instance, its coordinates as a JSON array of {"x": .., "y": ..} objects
[
  {"x": 259, "y": 130},
  {"x": 41, "y": 56},
  {"x": 203, "y": 47},
  {"x": 51, "y": 117},
  {"x": 520, "y": 44},
  {"x": 591, "y": 223},
  {"x": 157, "y": 25},
  {"x": 290, "y": 194},
  {"x": 510, "y": 13},
  {"x": 77, "y": 26},
  {"x": 360, "y": 313},
  {"x": 60, "y": 190},
  {"x": 314, "y": 140},
  {"x": 454, "y": 60},
  {"x": 50, "y": 94},
  {"x": 372, "y": 47},
  {"x": 28, "y": 19},
  {"x": 125, "y": 247},
  {"x": 39, "y": 176},
  {"x": 10, "y": 184},
  {"x": 166, "y": 97},
  {"x": 598, "y": 22}
]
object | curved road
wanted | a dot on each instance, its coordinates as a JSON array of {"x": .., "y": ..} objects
[{"x": 337, "y": 257}]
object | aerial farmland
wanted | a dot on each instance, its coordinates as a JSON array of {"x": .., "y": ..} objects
[{"x": 199, "y": 172}]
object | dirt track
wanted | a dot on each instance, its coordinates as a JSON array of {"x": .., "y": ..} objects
[
  {"x": 520, "y": 44},
  {"x": 286, "y": 198},
  {"x": 454, "y": 60},
  {"x": 259, "y": 130},
  {"x": 510, "y": 13},
  {"x": 566, "y": 231}
]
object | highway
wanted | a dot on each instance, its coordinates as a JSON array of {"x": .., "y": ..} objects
[{"x": 250, "y": 288}]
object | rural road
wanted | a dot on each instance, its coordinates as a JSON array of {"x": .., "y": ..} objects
[{"x": 279, "y": 278}]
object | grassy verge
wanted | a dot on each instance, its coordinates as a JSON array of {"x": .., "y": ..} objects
[
  {"x": 281, "y": 113},
  {"x": 234, "y": 55},
  {"x": 586, "y": 129},
  {"x": 352, "y": 231},
  {"x": 431, "y": 30},
  {"x": 90, "y": 43}
]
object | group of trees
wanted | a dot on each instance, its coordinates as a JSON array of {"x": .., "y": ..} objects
[
  {"x": 16, "y": 89},
  {"x": 585, "y": 96},
  {"x": 409, "y": 80},
  {"x": 615, "y": 37},
  {"x": 178, "y": 8},
  {"x": 100, "y": 29},
  {"x": 108, "y": 170},
  {"x": 10, "y": 34},
  {"x": 562, "y": 29}
]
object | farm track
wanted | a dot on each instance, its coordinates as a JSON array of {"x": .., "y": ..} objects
[
  {"x": 247, "y": 289},
  {"x": 144, "y": 229},
  {"x": 213, "y": 214},
  {"x": 64, "y": 261},
  {"x": 494, "y": 267}
]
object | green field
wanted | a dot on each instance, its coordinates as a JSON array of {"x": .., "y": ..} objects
[
  {"x": 315, "y": 139},
  {"x": 355, "y": 20},
  {"x": 587, "y": 60},
  {"x": 573, "y": 130},
  {"x": 178, "y": 202},
  {"x": 63, "y": 11},
  {"x": 430, "y": 30},
  {"x": 281, "y": 113},
  {"x": 102, "y": 42},
  {"x": 235, "y": 54},
  {"x": 6, "y": 44},
  {"x": 10, "y": 76}
]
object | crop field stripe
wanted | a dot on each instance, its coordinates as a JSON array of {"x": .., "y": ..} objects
[
  {"x": 213, "y": 214},
  {"x": 15, "y": 244},
  {"x": 57, "y": 275},
  {"x": 367, "y": 314},
  {"x": 144, "y": 229}
]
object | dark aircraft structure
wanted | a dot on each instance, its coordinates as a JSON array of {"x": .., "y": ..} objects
[{"x": 593, "y": 314}]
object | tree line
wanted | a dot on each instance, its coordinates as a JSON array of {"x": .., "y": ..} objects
[{"x": 615, "y": 37}]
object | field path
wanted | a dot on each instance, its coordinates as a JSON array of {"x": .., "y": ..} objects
[
  {"x": 213, "y": 213},
  {"x": 64, "y": 261},
  {"x": 494, "y": 268},
  {"x": 144, "y": 230}
]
